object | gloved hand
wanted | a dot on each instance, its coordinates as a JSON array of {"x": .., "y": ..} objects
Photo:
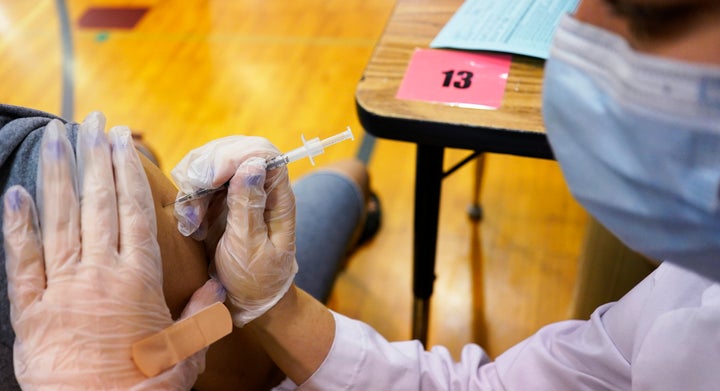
[
  {"x": 209, "y": 167},
  {"x": 87, "y": 283},
  {"x": 255, "y": 256}
]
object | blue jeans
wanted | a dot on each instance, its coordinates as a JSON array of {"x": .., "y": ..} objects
[{"x": 329, "y": 208}]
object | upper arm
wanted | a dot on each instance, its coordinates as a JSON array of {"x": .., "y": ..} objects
[{"x": 185, "y": 265}]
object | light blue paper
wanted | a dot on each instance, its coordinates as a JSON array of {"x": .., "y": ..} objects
[{"x": 511, "y": 26}]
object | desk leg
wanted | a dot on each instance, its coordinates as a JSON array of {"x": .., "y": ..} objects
[
  {"x": 475, "y": 211},
  {"x": 428, "y": 182}
]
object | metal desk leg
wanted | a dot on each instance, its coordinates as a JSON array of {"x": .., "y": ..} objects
[
  {"x": 475, "y": 211},
  {"x": 428, "y": 181}
]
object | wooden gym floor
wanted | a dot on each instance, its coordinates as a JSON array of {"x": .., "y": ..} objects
[{"x": 184, "y": 72}]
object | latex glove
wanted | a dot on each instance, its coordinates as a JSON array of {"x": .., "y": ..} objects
[
  {"x": 209, "y": 167},
  {"x": 255, "y": 258},
  {"x": 88, "y": 284}
]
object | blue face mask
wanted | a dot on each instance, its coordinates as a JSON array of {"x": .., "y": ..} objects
[{"x": 638, "y": 140}]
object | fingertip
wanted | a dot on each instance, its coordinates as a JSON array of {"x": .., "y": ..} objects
[
  {"x": 123, "y": 149},
  {"x": 190, "y": 215},
  {"x": 96, "y": 116},
  {"x": 14, "y": 199},
  {"x": 92, "y": 129},
  {"x": 18, "y": 209},
  {"x": 121, "y": 137},
  {"x": 211, "y": 292},
  {"x": 94, "y": 120},
  {"x": 216, "y": 286},
  {"x": 54, "y": 129},
  {"x": 17, "y": 203},
  {"x": 251, "y": 173},
  {"x": 53, "y": 141}
]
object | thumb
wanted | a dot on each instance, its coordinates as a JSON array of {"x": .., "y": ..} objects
[
  {"x": 210, "y": 293},
  {"x": 246, "y": 200},
  {"x": 182, "y": 375}
]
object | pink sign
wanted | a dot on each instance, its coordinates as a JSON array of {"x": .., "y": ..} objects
[{"x": 456, "y": 77}]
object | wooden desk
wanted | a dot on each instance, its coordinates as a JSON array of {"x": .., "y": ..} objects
[{"x": 516, "y": 128}]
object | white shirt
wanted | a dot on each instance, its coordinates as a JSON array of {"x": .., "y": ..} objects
[{"x": 663, "y": 335}]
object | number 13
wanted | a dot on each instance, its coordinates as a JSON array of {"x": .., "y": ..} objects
[{"x": 464, "y": 82}]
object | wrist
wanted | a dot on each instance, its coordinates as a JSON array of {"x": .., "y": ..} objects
[
  {"x": 287, "y": 304},
  {"x": 297, "y": 333},
  {"x": 245, "y": 310}
]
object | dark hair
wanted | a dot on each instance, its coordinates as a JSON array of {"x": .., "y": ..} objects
[{"x": 656, "y": 20}]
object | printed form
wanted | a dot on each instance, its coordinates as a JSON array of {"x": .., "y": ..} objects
[{"x": 511, "y": 26}]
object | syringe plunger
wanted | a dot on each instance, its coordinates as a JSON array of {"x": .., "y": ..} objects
[{"x": 313, "y": 147}]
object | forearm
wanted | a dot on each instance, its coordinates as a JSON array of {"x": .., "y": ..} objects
[{"x": 297, "y": 333}]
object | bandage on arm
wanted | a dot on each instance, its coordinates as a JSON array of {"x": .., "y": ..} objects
[{"x": 181, "y": 340}]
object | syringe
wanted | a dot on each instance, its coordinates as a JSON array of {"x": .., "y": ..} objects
[{"x": 309, "y": 149}]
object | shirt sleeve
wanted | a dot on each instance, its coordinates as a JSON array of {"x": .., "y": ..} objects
[
  {"x": 662, "y": 335},
  {"x": 577, "y": 355},
  {"x": 361, "y": 359},
  {"x": 568, "y": 355}
]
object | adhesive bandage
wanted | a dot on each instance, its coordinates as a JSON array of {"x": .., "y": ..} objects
[{"x": 181, "y": 340}]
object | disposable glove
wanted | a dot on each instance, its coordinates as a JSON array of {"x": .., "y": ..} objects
[
  {"x": 255, "y": 253},
  {"x": 209, "y": 167},
  {"x": 255, "y": 258},
  {"x": 87, "y": 283}
]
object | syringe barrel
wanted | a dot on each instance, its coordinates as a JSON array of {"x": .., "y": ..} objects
[
  {"x": 311, "y": 148},
  {"x": 347, "y": 134}
]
